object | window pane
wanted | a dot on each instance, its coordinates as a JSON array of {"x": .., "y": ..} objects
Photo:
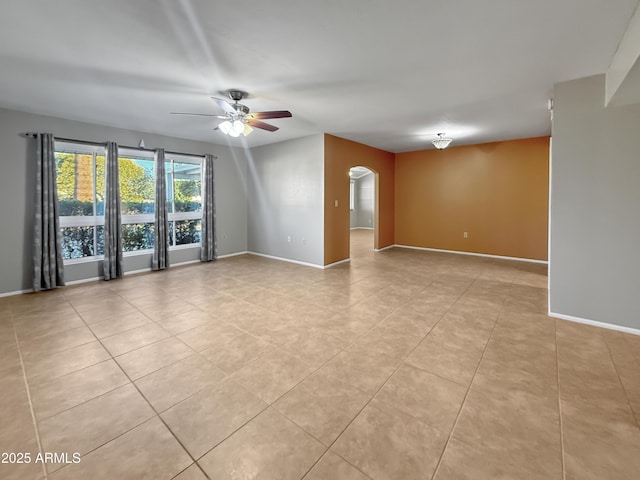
[
  {"x": 137, "y": 190},
  {"x": 187, "y": 187},
  {"x": 77, "y": 242},
  {"x": 188, "y": 231},
  {"x": 137, "y": 236},
  {"x": 99, "y": 184},
  {"x": 74, "y": 180},
  {"x": 169, "y": 183},
  {"x": 100, "y": 240}
]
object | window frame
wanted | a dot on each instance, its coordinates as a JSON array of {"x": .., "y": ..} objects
[
  {"x": 174, "y": 216},
  {"x": 137, "y": 218},
  {"x": 70, "y": 221},
  {"x": 352, "y": 195}
]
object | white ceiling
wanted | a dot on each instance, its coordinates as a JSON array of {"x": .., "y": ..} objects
[{"x": 387, "y": 74}]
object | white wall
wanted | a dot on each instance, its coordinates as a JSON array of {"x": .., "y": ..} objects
[
  {"x": 594, "y": 264},
  {"x": 17, "y": 193},
  {"x": 285, "y": 200}
]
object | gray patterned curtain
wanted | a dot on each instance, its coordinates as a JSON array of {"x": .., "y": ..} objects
[
  {"x": 161, "y": 238},
  {"x": 208, "y": 246},
  {"x": 48, "y": 269},
  {"x": 113, "y": 267}
]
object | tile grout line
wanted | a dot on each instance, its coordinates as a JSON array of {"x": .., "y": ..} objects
[
  {"x": 359, "y": 411},
  {"x": 633, "y": 413},
  {"x": 195, "y": 461},
  {"x": 466, "y": 395},
  {"x": 562, "y": 459},
  {"x": 146, "y": 400},
  {"x": 195, "y": 353},
  {"x": 26, "y": 385},
  {"x": 383, "y": 384},
  {"x": 167, "y": 427},
  {"x": 321, "y": 365}
]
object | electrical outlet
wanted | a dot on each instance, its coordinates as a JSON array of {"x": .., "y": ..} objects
[
  {"x": 336, "y": 203},
  {"x": 304, "y": 241},
  {"x": 466, "y": 235},
  {"x": 288, "y": 238}
]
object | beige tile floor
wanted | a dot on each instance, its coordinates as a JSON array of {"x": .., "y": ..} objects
[{"x": 400, "y": 365}]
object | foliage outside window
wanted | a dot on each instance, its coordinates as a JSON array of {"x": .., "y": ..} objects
[
  {"x": 136, "y": 170},
  {"x": 80, "y": 182},
  {"x": 184, "y": 192},
  {"x": 137, "y": 191},
  {"x": 80, "y": 185}
]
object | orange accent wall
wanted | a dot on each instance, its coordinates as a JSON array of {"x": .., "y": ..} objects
[
  {"x": 339, "y": 156},
  {"x": 497, "y": 192}
]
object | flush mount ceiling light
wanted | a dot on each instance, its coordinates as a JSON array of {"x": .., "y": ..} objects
[{"x": 441, "y": 142}]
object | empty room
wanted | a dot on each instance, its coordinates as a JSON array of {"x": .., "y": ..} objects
[{"x": 282, "y": 240}]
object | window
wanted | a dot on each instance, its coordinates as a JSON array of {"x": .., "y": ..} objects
[
  {"x": 136, "y": 170},
  {"x": 137, "y": 193},
  {"x": 184, "y": 200},
  {"x": 352, "y": 195},
  {"x": 80, "y": 184},
  {"x": 80, "y": 180}
]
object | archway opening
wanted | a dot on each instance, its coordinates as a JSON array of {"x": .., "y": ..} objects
[{"x": 362, "y": 211}]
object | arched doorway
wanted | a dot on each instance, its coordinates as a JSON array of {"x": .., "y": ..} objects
[{"x": 362, "y": 210}]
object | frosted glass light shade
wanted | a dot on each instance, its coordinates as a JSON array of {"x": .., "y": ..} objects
[
  {"x": 225, "y": 127},
  {"x": 237, "y": 128},
  {"x": 441, "y": 142}
]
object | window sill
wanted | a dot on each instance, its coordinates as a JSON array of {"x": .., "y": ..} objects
[
  {"x": 76, "y": 261},
  {"x": 134, "y": 253},
  {"x": 185, "y": 247}
]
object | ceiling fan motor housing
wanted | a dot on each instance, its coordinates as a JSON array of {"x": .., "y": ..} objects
[
  {"x": 242, "y": 109},
  {"x": 237, "y": 95}
]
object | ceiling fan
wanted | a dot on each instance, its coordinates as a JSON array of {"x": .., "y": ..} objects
[{"x": 237, "y": 119}]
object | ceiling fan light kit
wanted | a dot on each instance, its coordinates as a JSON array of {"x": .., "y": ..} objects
[
  {"x": 237, "y": 119},
  {"x": 441, "y": 142}
]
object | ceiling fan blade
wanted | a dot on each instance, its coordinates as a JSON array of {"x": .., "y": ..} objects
[
  {"x": 272, "y": 114},
  {"x": 262, "y": 125},
  {"x": 223, "y": 104},
  {"x": 247, "y": 130},
  {"x": 198, "y": 114}
]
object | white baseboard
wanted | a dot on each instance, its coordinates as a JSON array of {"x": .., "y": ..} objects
[
  {"x": 83, "y": 280},
  {"x": 229, "y": 255},
  {"x": 17, "y": 292},
  {"x": 502, "y": 257},
  {"x": 306, "y": 264},
  {"x": 188, "y": 262},
  {"x": 384, "y": 248},
  {"x": 130, "y": 272},
  {"x": 339, "y": 262},
  {"x": 594, "y": 323}
]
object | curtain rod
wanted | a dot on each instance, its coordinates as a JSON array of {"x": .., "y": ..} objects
[{"x": 99, "y": 144}]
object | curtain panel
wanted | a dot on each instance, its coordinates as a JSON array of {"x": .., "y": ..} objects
[
  {"x": 160, "y": 259},
  {"x": 208, "y": 247},
  {"x": 48, "y": 268},
  {"x": 113, "y": 264}
]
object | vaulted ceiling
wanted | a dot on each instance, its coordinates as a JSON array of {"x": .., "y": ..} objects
[{"x": 387, "y": 74}]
